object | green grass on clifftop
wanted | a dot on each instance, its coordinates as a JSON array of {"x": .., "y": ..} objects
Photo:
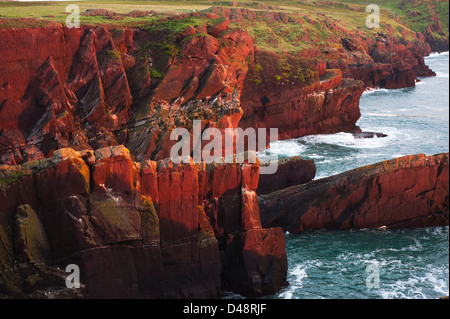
[{"x": 321, "y": 19}]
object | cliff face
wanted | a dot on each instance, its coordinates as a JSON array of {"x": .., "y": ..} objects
[
  {"x": 315, "y": 87},
  {"x": 136, "y": 230},
  {"x": 433, "y": 18},
  {"x": 97, "y": 86},
  {"x": 393, "y": 64},
  {"x": 411, "y": 191},
  {"x": 304, "y": 103}
]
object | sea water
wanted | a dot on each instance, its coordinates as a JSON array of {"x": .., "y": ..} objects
[
  {"x": 416, "y": 120},
  {"x": 404, "y": 263}
]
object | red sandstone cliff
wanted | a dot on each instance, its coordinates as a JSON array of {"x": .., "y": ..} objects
[
  {"x": 136, "y": 230},
  {"x": 410, "y": 191},
  {"x": 320, "y": 103},
  {"x": 97, "y": 86},
  {"x": 317, "y": 89},
  {"x": 102, "y": 86}
]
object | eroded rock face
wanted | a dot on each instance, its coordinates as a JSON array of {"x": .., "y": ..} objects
[
  {"x": 411, "y": 191},
  {"x": 317, "y": 89},
  {"x": 136, "y": 230},
  {"x": 93, "y": 87},
  {"x": 389, "y": 63},
  {"x": 313, "y": 100}
]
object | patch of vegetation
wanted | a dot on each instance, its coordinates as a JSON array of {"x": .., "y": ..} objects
[
  {"x": 217, "y": 21},
  {"x": 420, "y": 14},
  {"x": 299, "y": 25},
  {"x": 256, "y": 81},
  {"x": 299, "y": 75},
  {"x": 112, "y": 54},
  {"x": 197, "y": 35},
  {"x": 8, "y": 177},
  {"x": 21, "y": 23},
  {"x": 170, "y": 29},
  {"x": 155, "y": 74},
  {"x": 165, "y": 48}
]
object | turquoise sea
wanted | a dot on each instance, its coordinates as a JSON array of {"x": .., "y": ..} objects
[{"x": 357, "y": 264}]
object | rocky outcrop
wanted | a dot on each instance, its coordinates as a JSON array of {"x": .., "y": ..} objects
[
  {"x": 392, "y": 64},
  {"x": 359, "y": 135},
  {"x": 136, "y": 230},
  {"x": 310, "y": 100},
  {"x": 411, "y": 191},
  {"x": 435, "y": 38}
]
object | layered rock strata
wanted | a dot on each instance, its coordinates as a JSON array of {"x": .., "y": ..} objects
[
  {"x": 136, "y": 230},
  {"x": 411, "y": 191}
]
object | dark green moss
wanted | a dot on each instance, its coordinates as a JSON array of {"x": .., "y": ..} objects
[
  {"x": 155, "y": 74},
  {"x": 12, "y": 176},
  {"x": 112, "y": 55}
]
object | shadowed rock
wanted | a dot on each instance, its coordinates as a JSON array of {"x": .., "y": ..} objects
[
  {"x": 136, "y": 230},
  {"x": 291, "y": 171}
]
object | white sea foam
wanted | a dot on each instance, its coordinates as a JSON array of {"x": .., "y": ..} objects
[
  {"x": 415, "y": 286},
  {"x": 402, "y": 289},
  {"x": 376, "y": 90},
  {"x": 346, "y": 140},
  {"x": 296, "y": 278},
  {"x": 397, "y": 155},
  {"x": 439, "y": 285},
  {"x": 286, "y": 148},
  {"x": 299, "y": 273},
  {"x": 384, "y": 114},
  {"x": 435, "y": 54},
  {"x": 442, "y": 74}
]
